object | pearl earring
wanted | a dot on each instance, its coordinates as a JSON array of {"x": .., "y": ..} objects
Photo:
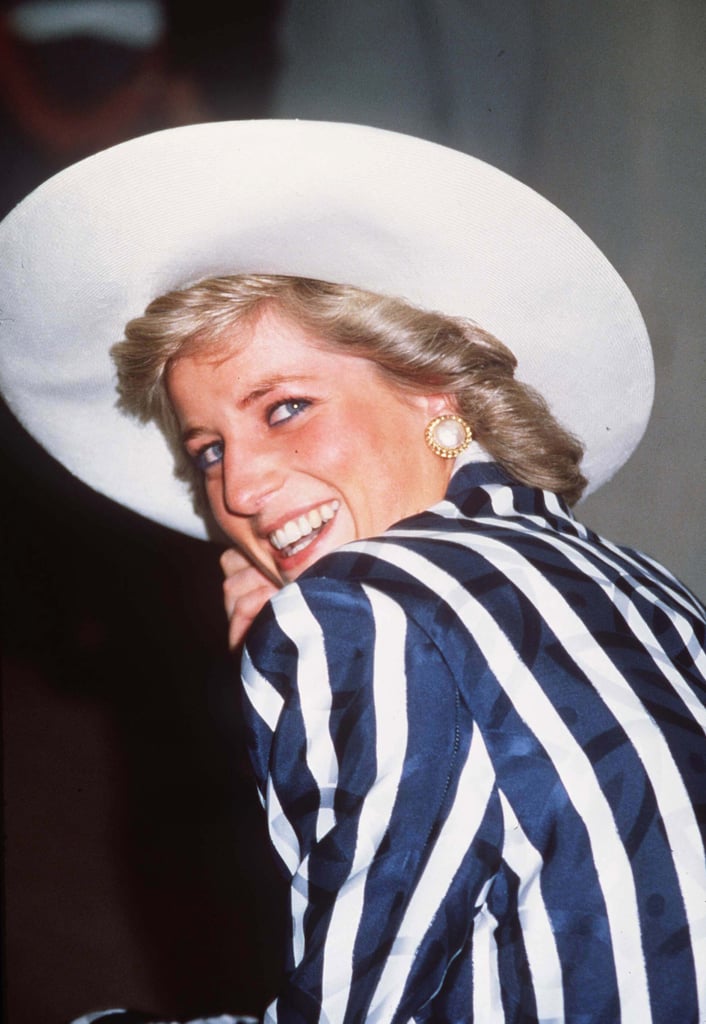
[{"x": 448, "y": 435}]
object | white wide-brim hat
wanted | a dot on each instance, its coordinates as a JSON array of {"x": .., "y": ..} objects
[{"x": 91, "y": 247}]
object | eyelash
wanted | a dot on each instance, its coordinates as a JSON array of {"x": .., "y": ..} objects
[
  {"x": 204, "y": 457},
  {"x": 298, "y": 407},
  {"x": 211, "y": 454}
]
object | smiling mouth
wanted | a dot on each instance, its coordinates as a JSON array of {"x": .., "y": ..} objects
[{"x": 300, "y": 532}]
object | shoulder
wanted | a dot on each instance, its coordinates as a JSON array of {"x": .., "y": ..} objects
[
  {"x": 366, "y": 583},
  {"x": 416, "y": 576},
  {"x": 336, "y": 614},
  {"x": 345, "y": 627}
]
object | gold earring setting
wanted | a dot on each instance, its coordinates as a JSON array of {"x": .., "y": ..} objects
[{"x": 448, "y": 435}]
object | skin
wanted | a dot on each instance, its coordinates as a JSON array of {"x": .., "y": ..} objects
[{"x": 281, "y": 426}]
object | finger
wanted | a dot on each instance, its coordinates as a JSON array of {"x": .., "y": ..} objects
[
  {"x": 233, "y": 561},
  {"x": 247, "y": 608},
  {"x": 242, "y": 583}
]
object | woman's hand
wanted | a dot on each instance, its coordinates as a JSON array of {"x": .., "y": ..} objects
[{"x": 245, "y": 590}]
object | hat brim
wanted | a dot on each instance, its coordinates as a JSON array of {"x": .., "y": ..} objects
[{"x": 91, "y": 247}]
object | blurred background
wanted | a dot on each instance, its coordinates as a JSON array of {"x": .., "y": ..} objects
[{"x": 137, "y": 871}]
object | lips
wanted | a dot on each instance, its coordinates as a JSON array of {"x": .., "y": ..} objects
[{"x": 299, "y": 532}]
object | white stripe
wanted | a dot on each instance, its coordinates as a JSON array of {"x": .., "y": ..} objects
[
  {"x": 284, "y": 838},
  {"x": 502, "y": 502},
  {"x": 557, "y": 508},
  {"x": 312, "y": 685},
  {"x": 267, "y": 704},
  {"x": 517, "y": 569},
  {"x": 572, "y": 551},
  {"x": 263, "y": 697},
  {"x": 390, "y": 705},
  {"x": 661, "y": 660},
  {"x": 475, "y": 787},
  {"x": 572, "y": 765},
  {"x": 540, "y": 946},
  {"x": 299, "y": 901},
  {"x": 661, "y": 575},
  {"x": 672, "y": 798},
  {"x": 487, "y": 996},
  {"x": 296, "y": 620}
]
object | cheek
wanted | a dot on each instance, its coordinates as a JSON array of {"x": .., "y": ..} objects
[
  {"x": 213, "y": 489},
  {"x": 323, "y": 451}
]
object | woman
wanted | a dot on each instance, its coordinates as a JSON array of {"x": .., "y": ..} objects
[
  {"x": 392, "y": 370},
  {"x": 477, "y": 728}
]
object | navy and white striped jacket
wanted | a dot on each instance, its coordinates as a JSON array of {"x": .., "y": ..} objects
[{"x": 481, "y": 742}]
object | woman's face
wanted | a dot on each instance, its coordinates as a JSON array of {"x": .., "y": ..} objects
[{"x": 302, "y": 448}]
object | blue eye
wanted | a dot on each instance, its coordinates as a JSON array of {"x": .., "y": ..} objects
[
  {"x": 209, "y": 456},
  {"x": 284, "y": 411}
]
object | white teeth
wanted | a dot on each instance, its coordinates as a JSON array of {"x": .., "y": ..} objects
[
  {"x": 291, "y": 531},
  {"x": 303, "y": 526}
]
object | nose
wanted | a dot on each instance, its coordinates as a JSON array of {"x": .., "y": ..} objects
[{"x": 249, "y": 478}]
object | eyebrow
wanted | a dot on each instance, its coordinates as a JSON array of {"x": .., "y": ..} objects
[
  {"x": 270, "y": 384},
  {"x": 192, "y": 432},
  {"x": 263, "y": 388}
]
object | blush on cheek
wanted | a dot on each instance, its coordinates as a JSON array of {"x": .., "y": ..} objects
[{"x": 328, "y": 452}]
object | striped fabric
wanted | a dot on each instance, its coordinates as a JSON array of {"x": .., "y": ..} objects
[{"x": 481, "y": 744}]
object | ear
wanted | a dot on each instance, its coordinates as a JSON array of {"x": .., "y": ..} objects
[{"x": 435, "y": 405}]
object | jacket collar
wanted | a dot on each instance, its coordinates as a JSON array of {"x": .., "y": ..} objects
[{"x": 484, "y": 489}]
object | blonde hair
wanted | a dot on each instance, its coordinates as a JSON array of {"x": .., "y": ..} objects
[{"x": 416, "y": 350}]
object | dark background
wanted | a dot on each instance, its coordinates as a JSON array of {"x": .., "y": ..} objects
[{"x": 137, "y": 870}]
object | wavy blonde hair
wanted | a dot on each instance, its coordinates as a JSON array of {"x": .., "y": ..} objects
[{"x": 416, "y": 350}]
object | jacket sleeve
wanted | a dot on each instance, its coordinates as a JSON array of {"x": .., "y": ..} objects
[{"x": 380, "y": 798}]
